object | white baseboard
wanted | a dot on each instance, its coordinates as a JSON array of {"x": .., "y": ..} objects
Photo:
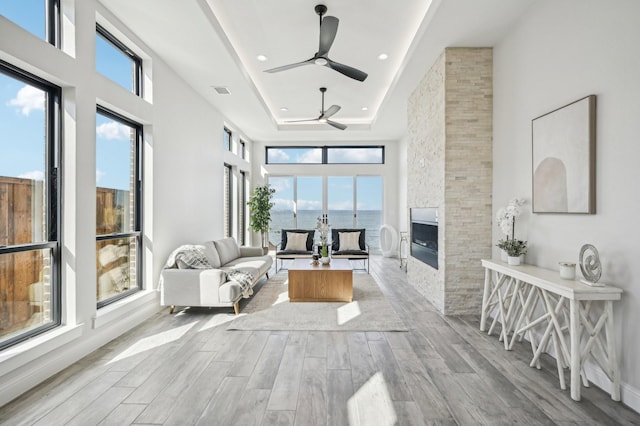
[{"x": 629, "y": 395}]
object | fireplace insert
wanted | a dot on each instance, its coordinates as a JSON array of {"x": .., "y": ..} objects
[{"x": 424, "y": 235}]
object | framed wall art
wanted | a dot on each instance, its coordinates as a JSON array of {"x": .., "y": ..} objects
[{"x": 564, "y": 155}]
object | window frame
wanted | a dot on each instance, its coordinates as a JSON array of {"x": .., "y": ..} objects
[
  {"x": 137, "y": 207},
  {"x": 325, "y": 152},
  {"x": 53, "y": 22},
  {"x": 137, "y": 72},
  {"x": 53, "y": 141},
  {"x": 229, "y": 134},
  {"x": 242, "y": 207},
  {"x": 243, "y": 149},
  {"x": 228, "y": 204}
]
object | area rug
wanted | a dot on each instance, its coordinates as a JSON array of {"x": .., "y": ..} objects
[{"x": 269, "y": 309}]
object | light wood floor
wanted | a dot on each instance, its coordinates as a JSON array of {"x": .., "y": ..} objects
[{"x": 187, "y": 369}]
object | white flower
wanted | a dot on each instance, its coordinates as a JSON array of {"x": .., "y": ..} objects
[
  {"x": 323, "y": 229},
  {"x": 506, "y": 217}
]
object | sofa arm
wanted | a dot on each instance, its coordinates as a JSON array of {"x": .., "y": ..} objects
[
  {"x": 191, "y": 287},
  {"x": 251, "y": 251}
]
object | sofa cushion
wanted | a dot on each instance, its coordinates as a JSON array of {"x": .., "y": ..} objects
[
  {"x": 310, "y": 233},
  {"x": 296, "y": 241},
  {"x": 349, "y": 241},
  {"x": 212, "y": 254},
  {"x": 335, "y": 238},
  {"x": 228, "y": 250},
  {"x": 256, "y": 266}
]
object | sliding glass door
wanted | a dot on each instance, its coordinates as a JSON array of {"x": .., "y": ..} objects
[
  {"x": 340, "y": 204},
  {"x": 308, "y": 201},
  {"x": 283, "y": 214},
  {"x": 348, "y": 201},
  {"x": 369, "y": 208}
]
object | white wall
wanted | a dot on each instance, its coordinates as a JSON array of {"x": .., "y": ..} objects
[
  {"x": 403, "y": 165},
  {"x": 558, "y": 53},
  {"x": 183, "y": 184}
]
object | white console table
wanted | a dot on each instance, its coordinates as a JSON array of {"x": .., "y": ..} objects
[{"x": 530, "y": 300}]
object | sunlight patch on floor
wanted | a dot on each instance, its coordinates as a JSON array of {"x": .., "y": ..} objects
[
  {"x": 371, "y": 404},
  {"x": 348, "y": 312},
  {"x": 155, "y": 341},
  {"x": 282, "y": 297}
]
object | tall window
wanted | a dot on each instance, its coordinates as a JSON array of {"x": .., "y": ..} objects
[
  {"x": 117, "y": 62},
  {"x": 242, "y": 150},
  {"x": 228, "y": 200},
  {"x": 226, "y": 139},
  {"x": 341, "y": 201},
  {"x": 242, "y": 207},
  {"x": 118, "y": 206},
  {"x": 39, "y": 17},
  {"x": 283, "y": 213},
  {"x": 369, "y": 214},
  {"x": 29, "y": 206}
]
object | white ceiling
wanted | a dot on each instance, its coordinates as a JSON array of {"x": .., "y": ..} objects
[{"x": 215, "y": 43}]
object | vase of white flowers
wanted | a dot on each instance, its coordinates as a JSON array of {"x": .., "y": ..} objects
[
  {"x": 323, "y": 227},
  {"x": 506, "y": 218}
]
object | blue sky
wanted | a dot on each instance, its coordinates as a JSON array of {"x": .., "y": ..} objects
[
  {"x": 339, "y": 197},
  {"x": 22, "y": 111}
]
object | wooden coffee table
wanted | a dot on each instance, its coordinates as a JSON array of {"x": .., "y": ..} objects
[{"x": 321, "y": 283}]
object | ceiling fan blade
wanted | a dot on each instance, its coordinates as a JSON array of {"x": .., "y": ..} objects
[
  {"x": 336, "y": 125},
  {"x": 302, "y": 121},
  {"x": 356, "y": 74},
  {"x": 332, "y": 110},
  {"x": 328, "y": 30},
  {"x": 290, "y": 66}
]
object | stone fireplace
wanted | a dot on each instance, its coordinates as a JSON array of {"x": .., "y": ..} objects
[
  {"x": 449, "y": 163},
  {"x": 424, "y": 235}
]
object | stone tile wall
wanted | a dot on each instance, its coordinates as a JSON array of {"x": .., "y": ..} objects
[{"x": 450, "y": 167}]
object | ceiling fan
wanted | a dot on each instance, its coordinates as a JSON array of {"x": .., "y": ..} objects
[
  {"x": 328, "y": 30},
  {"x": 324, "y": 115}
]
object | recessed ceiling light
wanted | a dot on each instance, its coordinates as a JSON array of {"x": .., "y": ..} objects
[
  {"x": 284, "y": 109},
  {"x": 365, "y": 109},
  {"x": 383, "y": 56},
  {"x": 261, "y": 58}
]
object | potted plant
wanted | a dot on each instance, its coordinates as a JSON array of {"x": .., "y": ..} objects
[
  {"x": 260, "y": 212},
  {"x": 502, "y": 245},
  {"x": 506, "y": 218},
  {"x": 515, "y": 249},
  {"x": 323, "y": 228}
]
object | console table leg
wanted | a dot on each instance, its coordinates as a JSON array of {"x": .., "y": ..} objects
[
  {"x": 574, "y": 332},
  {"x": 485, "y": 299},
  {"x": 611, "y": 348}
]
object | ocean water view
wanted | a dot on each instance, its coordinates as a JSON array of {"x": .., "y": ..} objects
[{"x": 371, "y": 220}]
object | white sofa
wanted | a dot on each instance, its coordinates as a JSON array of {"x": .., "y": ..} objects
[{"x": 209, "y": 285}]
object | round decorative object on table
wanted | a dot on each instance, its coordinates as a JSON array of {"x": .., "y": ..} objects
[
  {"x": 325, "y": 260},
  {"x": 514, "y": 260},
  {"x": 590, "y": 265},
  {"x": 567, "y": 270}
]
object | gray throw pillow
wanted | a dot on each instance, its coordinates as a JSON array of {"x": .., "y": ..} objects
[
  {"x": 228, "y": 250},
  {"x": 212, "y": 254}
]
